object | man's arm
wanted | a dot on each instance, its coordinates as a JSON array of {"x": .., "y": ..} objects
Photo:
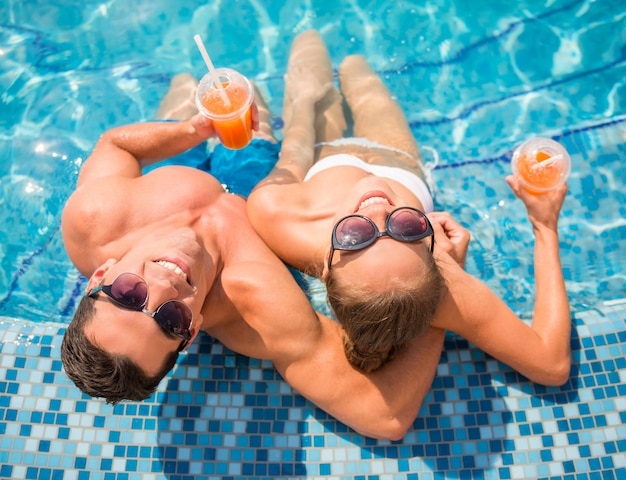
[
  {"x": 382, "y": 404},
  {"x": 279, "y": 324},
  {"x": 307, "y": 349},
  {"x": 310, "y": 355},
  {"x": 124, "y": 151},
  {"x": 110, "y": 172}
]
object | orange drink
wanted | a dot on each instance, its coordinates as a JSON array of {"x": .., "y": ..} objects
[
  {"x": 229, "y": 107},
  {"x": 541, "y": 164}
]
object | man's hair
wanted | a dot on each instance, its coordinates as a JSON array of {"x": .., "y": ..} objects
[
  {"x": 99, "y": 373},
  {"x": 378, "y": 325}
]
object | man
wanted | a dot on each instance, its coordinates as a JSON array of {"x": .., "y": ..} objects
[{"x": 170, "y": 253}]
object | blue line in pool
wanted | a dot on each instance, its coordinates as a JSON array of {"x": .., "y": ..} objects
[
  {"x": 27, "y": 262},
  {"x": 464, "y": 52},
  {"x": 77, "y": 292},
  {"x": 466, "y": 113}
]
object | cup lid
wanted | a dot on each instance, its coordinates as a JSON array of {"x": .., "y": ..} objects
[
  {"x": 541, "y": 164},
  {"x": 233, "y": 80}
]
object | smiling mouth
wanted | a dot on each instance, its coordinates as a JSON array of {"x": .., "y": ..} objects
[
  {"x": 174, "y": 268},
  {"x": 373, "y": 198}
]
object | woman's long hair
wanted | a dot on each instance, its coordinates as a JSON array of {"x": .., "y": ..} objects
[{"x": 377, "y": 325}]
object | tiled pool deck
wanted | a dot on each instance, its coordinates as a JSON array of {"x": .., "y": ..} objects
[{"x": 219, "y": 415}]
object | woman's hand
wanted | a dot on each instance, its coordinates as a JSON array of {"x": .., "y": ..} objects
[
  {"x": 543, "y": 208},
  {"x": 450, "y": 236}
]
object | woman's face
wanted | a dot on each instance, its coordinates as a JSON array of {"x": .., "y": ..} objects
[{"x": 386, "y": 262}]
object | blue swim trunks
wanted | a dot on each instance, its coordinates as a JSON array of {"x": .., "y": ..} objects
[
  {"x": 241, "y": 170},
  {"x": 238, "y": 170}
]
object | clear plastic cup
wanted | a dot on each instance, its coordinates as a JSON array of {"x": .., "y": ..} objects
[
  {"x": 232, "y": 121},
  {"x": 541, "y": 164}
]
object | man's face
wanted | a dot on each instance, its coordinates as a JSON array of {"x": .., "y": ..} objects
[{"x": 168, "y": 276}]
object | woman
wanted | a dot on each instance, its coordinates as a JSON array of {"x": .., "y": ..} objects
[{"x": 351, "y": 211}]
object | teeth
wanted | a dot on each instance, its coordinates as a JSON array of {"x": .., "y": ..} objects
[
  {"x": 174, "y": 268},
  {"x": 373, "y": 201}
]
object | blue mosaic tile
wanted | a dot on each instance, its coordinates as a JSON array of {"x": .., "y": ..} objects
[{"x": 255, "y": 426}]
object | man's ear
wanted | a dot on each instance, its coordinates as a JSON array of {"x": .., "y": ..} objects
[
  {"x": 97, "y": 276},
  {"x": 194, "y": 331}
]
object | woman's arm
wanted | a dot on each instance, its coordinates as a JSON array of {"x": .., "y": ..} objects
[
  {"x": 551, "y": 316},
  {"x": 540, "y": 351},
  {"x": 451, "y": 236}
]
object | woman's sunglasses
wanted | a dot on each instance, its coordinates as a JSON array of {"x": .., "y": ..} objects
[
  {"x": 405, "y": 224},
  {"x": 131, "y": 291}
]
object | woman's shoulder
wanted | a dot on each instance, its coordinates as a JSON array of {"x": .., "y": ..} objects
[{"x": 287, "y": 201}]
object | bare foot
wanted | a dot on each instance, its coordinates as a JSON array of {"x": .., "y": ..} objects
[{"x": 265, "y": 131}]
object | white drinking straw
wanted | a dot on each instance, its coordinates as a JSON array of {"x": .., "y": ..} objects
[
  {"x": 209, "y": 64},
  {"x": 547, "y": 162}
]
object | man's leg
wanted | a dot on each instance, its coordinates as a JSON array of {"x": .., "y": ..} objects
[
  {"x": 179, "y": 103},
  {"x": 376, "y": 115},
  {"x": 265, "y": 131}
]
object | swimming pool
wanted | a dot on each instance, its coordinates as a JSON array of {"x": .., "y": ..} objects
[{"x": 474, "y": 83}]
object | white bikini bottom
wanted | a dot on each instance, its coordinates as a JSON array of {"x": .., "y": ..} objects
[{"x": 404, "y": 177}]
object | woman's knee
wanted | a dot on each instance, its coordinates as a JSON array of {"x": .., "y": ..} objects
[{"x": 357, "y": 79}]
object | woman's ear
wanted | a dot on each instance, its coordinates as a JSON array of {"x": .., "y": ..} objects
[{"x": 98, "y": 275}]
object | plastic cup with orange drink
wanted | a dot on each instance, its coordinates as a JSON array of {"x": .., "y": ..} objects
[
  {"x": 541, "y": 164},
  {"x": 228, "y": 105}
]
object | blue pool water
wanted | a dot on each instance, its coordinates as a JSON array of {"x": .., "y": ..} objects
[{"x": 474, "y": 82}]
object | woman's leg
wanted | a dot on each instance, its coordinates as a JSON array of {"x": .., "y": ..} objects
[
  {"x": 377, "y": 117},
  {"x": 308, "y": 49}
]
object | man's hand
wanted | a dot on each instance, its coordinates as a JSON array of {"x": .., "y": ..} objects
[
  {"x": 204, "y": 126},
  {"x": 450, "y": 236}
]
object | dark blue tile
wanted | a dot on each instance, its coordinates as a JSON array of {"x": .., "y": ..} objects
[{"x": 32, "y": 473}]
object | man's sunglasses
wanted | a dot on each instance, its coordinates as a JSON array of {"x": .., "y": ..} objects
[
  {"x": 131, "y": 291},
  {"x": 405, "y": 224}
]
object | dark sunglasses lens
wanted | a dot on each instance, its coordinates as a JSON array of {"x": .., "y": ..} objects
[
  {"x": 130, "y": 290},
  {"x": 174, "y": 317},
  {"x": 407, "y": 223},
  {"x": 354, "y": 231}
]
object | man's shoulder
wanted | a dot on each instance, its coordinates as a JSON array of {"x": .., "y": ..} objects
[{"x": 256, "y": 274}]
